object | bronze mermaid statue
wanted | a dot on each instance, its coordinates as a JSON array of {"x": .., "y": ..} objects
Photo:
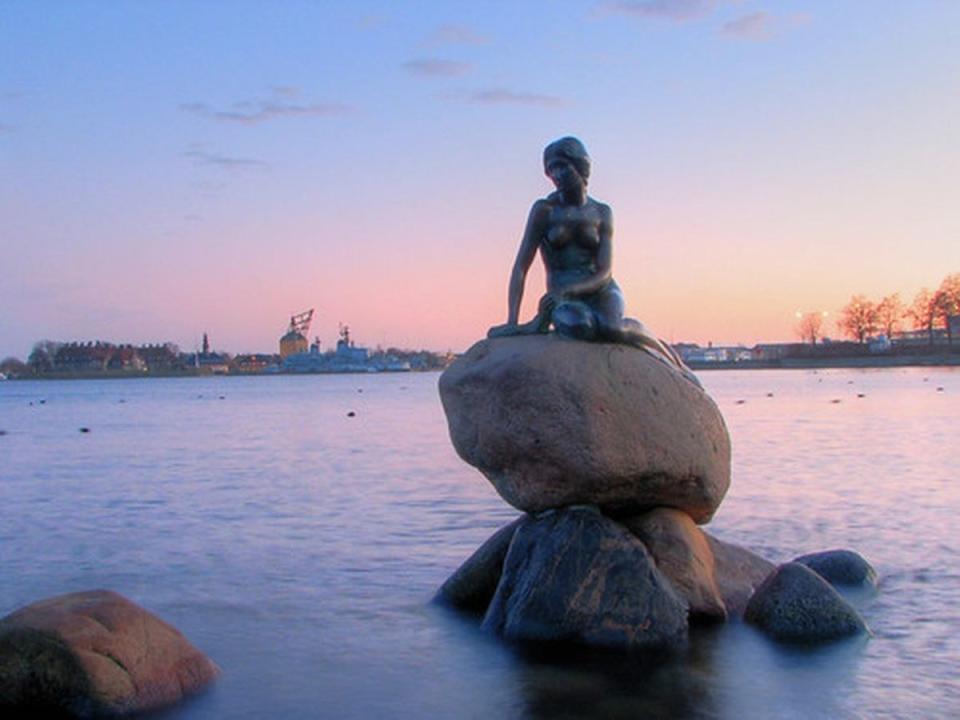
[{"x": 573, "y": 233}]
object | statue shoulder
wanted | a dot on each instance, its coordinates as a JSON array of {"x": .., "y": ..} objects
[
  {"x": 541, "y": 208},
  {"x": 602, "y": 208}
]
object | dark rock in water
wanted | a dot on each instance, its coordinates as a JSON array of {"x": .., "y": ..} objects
[
  {"x": 573, "y": 575},
  {"x": 796, "y": 605},
  {"x": 738, "y": 573},
  {"x": 351, "y": 414},
  {"x": 554, "y": 422},
  {"x": 95, "y": 653},
  {"x": 683, "y": 554},
  {"x": 473, "y": 584},
  {"x": 841, "y": 567}
]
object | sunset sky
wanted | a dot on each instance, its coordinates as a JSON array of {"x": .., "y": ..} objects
[{"x": 169, "y": 168}]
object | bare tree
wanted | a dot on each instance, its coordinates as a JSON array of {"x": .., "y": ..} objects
[
  {"x": 809, "y": 326},
  {"x": 923, "y": 313},
  {"x": 946, "y": 302},
  {"x": 858, "y": 318},
  {"x": 890, "y": 312}
]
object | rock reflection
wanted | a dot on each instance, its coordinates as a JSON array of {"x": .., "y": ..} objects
[{"x": 559, "y": 683}]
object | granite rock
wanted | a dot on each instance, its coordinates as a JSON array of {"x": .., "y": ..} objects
[
  {"x": 95, "y": 653},
  {"x": 796, "y": 605},
  {"x": 683, "y": 554},
  {"x": 841, "y": 568},
  {"x": 553, "y": 422},
  {"x": 575, "y": 576},
  {"x": 472, "y": 585},
  {"x": 738, "y": 572}
]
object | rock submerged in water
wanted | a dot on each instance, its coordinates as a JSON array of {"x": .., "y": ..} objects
[
  {"x": 721, "y": 576},
  {"x": 794, "y": 604},
  {"x": 95, "y": 653},
  {"x": 739, "y": 573},
  {"x": 841, "y": 568},
  {"x": 576, "y": 576},
  {"x": 472, "y": 586},
  {"x": 616, "y": 457},
  {"x": 553, "y": 422},
  {"x": 683, "y": 554}
]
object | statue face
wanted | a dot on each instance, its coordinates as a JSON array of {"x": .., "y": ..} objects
[{"x": 564, "y": 175}]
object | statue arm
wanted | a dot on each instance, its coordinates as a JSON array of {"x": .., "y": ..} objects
[{"x": 525, "y": 255}]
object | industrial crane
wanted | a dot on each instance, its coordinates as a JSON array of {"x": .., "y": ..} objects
[{"x": 300, "y": 323}]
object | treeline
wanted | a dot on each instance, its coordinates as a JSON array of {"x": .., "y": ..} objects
[
  {"x": 53, "y": 357},
  {"x": 931, "y": 312}
]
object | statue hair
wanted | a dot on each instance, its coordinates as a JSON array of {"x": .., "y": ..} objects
[{"x": 572, "y": 150}]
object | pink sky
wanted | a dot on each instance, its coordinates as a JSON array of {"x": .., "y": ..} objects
[{"x": 761, "y": 159}]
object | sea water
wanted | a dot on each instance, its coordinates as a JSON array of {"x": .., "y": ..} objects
[{"x": 296, "y": 527}]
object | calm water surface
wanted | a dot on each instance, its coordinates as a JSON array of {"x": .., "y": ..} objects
[{"x": 300, "y": 547}]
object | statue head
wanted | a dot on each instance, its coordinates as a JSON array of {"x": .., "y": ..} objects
[{"x": 569, "y": 149}]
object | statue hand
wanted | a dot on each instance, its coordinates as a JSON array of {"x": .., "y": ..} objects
[
  {"x": 502, "y": 330},
  {"x": 548, "y": 303}
]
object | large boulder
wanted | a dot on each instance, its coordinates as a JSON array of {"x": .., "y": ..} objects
[
  {"x": 472, "y": 585},
  {"x": 95, "y": 653},
  {"x": 738, "y": 572},
  {"x": 683, "y": 554},
  {"x": 553, "y": 422},
  {"x": 796, "y": 605},
  {"x": 576, "y": 576}
]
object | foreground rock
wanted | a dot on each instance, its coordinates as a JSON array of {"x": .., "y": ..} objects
[
  {"x": 554, "y": 422},
  {"x": 576, "y": 576},
  {"x": 683, "y": 554},
  {"x": 739, "y": 572},
  {"x": 841, "y": 567},
  {"x": 472, "y": 586},
  {"x": 796, "y": 605},
  {"x": 95, "y": 653}
]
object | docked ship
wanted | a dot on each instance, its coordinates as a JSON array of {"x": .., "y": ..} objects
[{"x": 298, "y": 357}]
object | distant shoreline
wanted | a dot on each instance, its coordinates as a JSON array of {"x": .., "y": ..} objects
[
  {"x": 879, "y": 361},
  {"x": 128, "y": 375},
  {"x": 887, "y": 361}
]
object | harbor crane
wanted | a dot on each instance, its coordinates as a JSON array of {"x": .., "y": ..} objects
[{"x": 300, "y": 323}]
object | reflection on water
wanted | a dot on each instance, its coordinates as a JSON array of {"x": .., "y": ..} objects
[{"x": 300, "y": 546}]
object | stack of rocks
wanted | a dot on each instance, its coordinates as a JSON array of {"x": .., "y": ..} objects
[{"x": 615, "y": 458}]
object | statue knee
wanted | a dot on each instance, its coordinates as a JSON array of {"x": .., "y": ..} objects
[{"x": 575, "y": 320}]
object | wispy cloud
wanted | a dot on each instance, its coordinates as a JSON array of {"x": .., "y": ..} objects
[
  {"x": 761, "y": 25},
  {"x": 201, "y": 156},
  {"x": 500, "y": 96},
  {"x": 755, "y": 26},
  {"x": 455, "y": 35},
  {"x": 433, "y": 67},
  {"x": 4, "y": 128},
  {"x": 673, "y": 10},
  {"x": 287, "y": 91},
  {"x": 254, "y": 112}
]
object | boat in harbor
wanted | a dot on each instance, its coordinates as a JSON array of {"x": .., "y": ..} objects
[{"x": 347, "y": 358}]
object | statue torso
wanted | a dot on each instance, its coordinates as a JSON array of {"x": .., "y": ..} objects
[{"x": 570, "y": 241}]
